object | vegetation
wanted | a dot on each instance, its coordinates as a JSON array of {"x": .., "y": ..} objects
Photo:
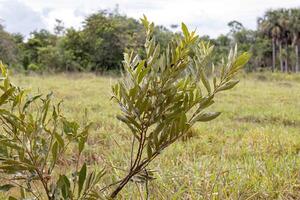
[
  {"x": 100, "y": 44},
  {"x": 282, "y": 27},
  {"x": 35, "y": 135},
  {"x": 162, "y": 98},
  {"x": 159, "y": 146},
  {"x": 250, "y": 151}
]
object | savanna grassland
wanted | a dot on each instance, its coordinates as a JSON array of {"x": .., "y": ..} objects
[{"x": 250, "y": 152}]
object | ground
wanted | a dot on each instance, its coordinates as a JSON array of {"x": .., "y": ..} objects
[{"x": 250, "y": 152}]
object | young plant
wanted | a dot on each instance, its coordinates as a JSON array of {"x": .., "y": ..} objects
[
  {"x": 166, "y": 93},
  {"x": 34, "y": 142}
]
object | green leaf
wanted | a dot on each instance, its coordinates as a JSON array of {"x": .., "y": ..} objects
[
  {"x": 185, "y": 30},
  {"x": 129, "y": 120},
  {"x": 70, "y": 128},
  {"x": 29, "y": 101},
  {"x": 156, "y": 53},
  {"x": 15, "y": 165},
  {"x": 82, "y": 177},
  {"x": 59, "y": 139},
  {"x": 227, "y": 86},
  {"x": 205, "y": 81},
  {"x": 140, "y": 67},
  {"x": 142, "y": 74},
  {"x": 63, "y": 184},
  {"x": 6, "y": 95},
  {"x": 145, "y": 21},
  {"x": 205, "y": 102},
  {"x": 135, "y": 62},
  {"x": 204, "y": 117},
  {"x": 11, "y": 144},
  {"x": 45, "y": 110},
  {"x": 149, "y": 150},
  {"x": 54, "y": 152},
  {"x": 6, "y": 187},
  {"x": 81, "y": 143},
  {"x": 241, "y": 60},
  {"x": 182, "y": 122},
  {"x": 3, "y": 69}
]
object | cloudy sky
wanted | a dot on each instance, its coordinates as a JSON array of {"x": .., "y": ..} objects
[{"x": 210, "y": 17}]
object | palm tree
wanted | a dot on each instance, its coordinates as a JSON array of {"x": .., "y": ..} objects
[
  {"x": 284, "y": 22},
  {"x": 295, "y": 29},
  {"x": 269, "y": 26}
]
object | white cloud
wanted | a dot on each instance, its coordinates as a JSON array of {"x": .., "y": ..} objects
[
  {"x": 210, "y": 17},
  {"x": 18, "y": 17}
]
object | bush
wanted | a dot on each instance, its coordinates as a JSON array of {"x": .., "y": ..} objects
[
  {"x": 34, "y": 67},
  {"x": 165, "y": 94},
  {"x": 35, "y": 137}
]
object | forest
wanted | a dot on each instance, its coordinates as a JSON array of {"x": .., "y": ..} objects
[{"x": 99, "y": 45}]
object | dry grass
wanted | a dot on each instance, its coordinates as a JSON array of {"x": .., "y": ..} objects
[{"x": 250, "y": 152}]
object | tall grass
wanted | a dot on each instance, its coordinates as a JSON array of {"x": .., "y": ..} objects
[{"x": 250, "y": 152}]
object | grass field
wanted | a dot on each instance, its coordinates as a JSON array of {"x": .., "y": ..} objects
[{"x": 252, "y": 151}]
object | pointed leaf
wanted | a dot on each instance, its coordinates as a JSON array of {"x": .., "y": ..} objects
[{"x": 82, "y": 177}]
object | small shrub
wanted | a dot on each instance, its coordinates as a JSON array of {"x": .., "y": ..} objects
[
  {"x": 35, "y": 136},
  {"x": 163, "y": 95}
]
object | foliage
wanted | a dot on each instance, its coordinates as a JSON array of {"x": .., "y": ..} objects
[
  {"x": 97, "y": 47},
  {"x": 162, "y": 96},
  {"x": 35, "y": 138},
  {"x": 165, "y": 94},
  {"x": 250, "y": 151},
  {"x": 8, "y": 48},
  {"x": 282, "y": 27},
  {"x": 99, "y": 44}
]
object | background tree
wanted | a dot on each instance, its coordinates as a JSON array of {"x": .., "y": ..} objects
[
  {"x": 295, "y": 29},
  {"x": 9, "y": 52},
  {"x": 99, "y": 44},
  {"x": 269, "y": 25},
  {"x": 59, "y": 28}
]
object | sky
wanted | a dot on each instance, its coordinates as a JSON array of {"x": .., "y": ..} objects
[{"x": 208, "y": 17}]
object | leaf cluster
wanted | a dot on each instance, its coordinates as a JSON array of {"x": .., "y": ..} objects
[
  {"x": 35, "y": 138},
  {"x": 163, "y": 95}
]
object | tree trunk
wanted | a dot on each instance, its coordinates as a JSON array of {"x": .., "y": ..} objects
[
  {"x": 297, "y": 58},
  {"x": 273, "y": 54},
  {"x": 286, "y": 58},
  {"x": 280, "y": 57}
]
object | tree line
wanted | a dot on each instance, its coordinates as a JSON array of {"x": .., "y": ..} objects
[{"x": 99, "y": 45}]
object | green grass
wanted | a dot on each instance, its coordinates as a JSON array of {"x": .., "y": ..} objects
[{"x": 250, "y": 152}]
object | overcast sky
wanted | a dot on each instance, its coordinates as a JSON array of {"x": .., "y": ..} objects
[{"x": 210, "y": 17}]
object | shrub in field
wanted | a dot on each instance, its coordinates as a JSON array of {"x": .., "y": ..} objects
[
  {"x": 164, "y": 94},
  {"x": 161, "y": 95},
  {"x": 34, "y": 137}
]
